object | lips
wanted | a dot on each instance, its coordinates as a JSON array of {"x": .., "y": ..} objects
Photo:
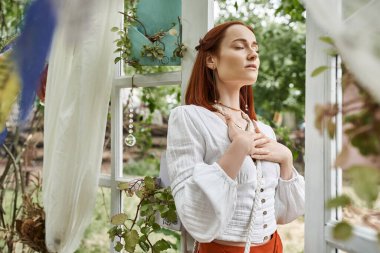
[{"x": 251, "y": 66}]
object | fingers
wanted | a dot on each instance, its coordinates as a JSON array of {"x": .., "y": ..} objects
[
  {"x": 260, "y": 151},
  {"x": 261, "y": 142},
  {"x": 259, "y": 157},
  {"x": 258, "y": 136}
]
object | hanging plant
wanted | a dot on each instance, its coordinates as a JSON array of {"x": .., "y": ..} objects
[{"x": 144, "y": 44}]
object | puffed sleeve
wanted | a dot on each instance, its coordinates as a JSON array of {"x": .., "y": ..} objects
[
  {"x": 289, "y": 197},
  {"x": 204, "y": 194}
]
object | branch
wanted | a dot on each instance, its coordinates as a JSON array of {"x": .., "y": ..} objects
[{"x": 137, "y": 213}]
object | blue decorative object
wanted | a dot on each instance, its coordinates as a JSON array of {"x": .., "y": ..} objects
[
  {"x": 156, "y": 16},
  {"x": 31, "y": 49},
  {"x": 3, "y": 135}
]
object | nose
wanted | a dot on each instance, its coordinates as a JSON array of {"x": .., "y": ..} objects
[{"x": 252, "y": 54}]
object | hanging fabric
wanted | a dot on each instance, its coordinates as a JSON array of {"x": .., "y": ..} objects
[
  {"x": 76, "y": 105},
  {"x": 355, "y": 28}
]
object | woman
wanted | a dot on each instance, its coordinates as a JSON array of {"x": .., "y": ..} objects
[{"x": 231, "y": 181}]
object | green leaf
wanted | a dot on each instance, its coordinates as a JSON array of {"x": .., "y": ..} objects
[
  {"x": 319, "y": 70},
  {"x": 149, "y": 184},
  {"x": 161, "y": 245},
  {"x": 365, "y": 181},
  {"x": 114, "y": 29},
  {"x": 332, "y": 52},
  {"x": 144, "y": 207},
  {"x": 118, "y": 247},
  {"x": 131, "y": 239},
  {"x": 117, "y": 59},
  {"x": 163, "y": 209},
  {"x": 119, "y": 219},
  {"x": 144, "y": 246},
  {"x": 171, "y": 216},
  {"x": 340, "y": 201},
  {"x": 145, "y": 230},
  {"x": 236, "y": 6},
  {"x": 112, "y": 232},
  {"x": 139, "y": 193},
  {"x": 342, "y": 231},
  {"x": 327, "y": 40},
  {"x": 156, "y": 227},
  {"x": 159, "y": 196}
]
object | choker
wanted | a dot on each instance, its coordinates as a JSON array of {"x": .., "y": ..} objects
[{"x": 229, "y": 107}]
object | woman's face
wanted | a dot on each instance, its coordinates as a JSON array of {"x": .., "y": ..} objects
[{"x": 237, "y": 61}]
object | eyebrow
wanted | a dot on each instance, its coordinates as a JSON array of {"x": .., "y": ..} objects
[{"x": 244, "y": 40}]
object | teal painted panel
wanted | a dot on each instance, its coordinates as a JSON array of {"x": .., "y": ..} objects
[{"x": 156, "y": 15}]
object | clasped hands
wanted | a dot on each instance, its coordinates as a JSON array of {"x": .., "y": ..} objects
[{"x": 259, "y": 146}]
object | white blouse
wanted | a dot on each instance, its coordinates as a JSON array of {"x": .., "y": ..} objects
[{"x": 210, "y": 204}]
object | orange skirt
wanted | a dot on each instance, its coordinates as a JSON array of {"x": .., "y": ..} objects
[{"x": 274, "y": 245}]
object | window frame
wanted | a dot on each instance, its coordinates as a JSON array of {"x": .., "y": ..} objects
[
  {"x": 323, "y": 181},
  {"x": 197, "y": 18}
]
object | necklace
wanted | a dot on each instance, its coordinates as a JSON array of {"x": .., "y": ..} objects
[
  {"x": 221, "y": 110},
  {"x": 234, "y": 109}
]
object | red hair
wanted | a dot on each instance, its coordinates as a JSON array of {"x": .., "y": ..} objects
[{"x": 201, "y": 88}]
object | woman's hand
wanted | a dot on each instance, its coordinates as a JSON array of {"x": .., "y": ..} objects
[
  {"x": 248, "y": 140},
  {"x": 274, "y": 151}
]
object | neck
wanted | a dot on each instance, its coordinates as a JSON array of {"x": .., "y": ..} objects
[{"x": 230, "y": 98}]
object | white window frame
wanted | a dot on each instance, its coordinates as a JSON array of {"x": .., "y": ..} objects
[
  {"x": 197, "y": 18},
  {"x": 322, "y": 180}
]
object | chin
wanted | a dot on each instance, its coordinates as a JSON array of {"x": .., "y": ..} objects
[{"x": 250, "y": 80}]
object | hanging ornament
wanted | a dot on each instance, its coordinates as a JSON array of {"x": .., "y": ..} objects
[{"x": 130, "y": 140}]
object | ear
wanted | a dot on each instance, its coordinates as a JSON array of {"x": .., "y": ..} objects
[{"x": 211, "y": 61}]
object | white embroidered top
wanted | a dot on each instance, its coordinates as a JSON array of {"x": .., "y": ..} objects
[{"x": 210, "y": 204}]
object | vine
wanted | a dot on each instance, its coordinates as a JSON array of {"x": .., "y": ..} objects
[{"x": 128, "y": 232}]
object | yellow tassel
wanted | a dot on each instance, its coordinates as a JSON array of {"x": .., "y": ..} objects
[{"x": 9, "y": 87}]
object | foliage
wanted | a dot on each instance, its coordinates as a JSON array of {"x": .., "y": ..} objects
[
  {"x": 293, "y": 9},
  {"x": 362, "y": 128},
  {"x": 11, "y": 13},
  {"x": 128, "y": 232},
  {"x": 149, "y": 166}
]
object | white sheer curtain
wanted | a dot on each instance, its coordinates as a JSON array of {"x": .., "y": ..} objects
[
  {"x": 77, "y": 97},
  {"x": 356, "y": 31}
]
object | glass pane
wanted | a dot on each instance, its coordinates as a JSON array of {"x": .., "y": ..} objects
[
  {"x": 95, "y": 238},
  {"x": 145, "y": 127}
]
